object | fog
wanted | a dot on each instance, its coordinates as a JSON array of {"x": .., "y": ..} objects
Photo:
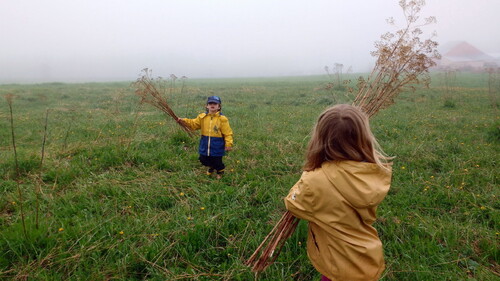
[{"x": 113, "y": 40}]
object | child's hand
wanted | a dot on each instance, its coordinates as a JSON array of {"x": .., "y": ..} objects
[
  {"x": 228, "y": 148},
  {"x": 179, "y": 120}
]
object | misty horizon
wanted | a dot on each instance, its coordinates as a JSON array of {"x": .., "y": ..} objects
[{"x": 101, "y": 41}]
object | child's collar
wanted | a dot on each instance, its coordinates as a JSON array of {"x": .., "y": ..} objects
[{"x": 213, "y": 114}]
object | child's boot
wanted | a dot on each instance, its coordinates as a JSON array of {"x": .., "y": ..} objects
[{"x": 219, "y": 174}]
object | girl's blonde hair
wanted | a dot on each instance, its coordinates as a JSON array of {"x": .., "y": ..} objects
[{"x": 343, "y": 132}]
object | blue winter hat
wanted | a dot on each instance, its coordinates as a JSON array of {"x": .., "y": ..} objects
[{"x": 215, "y": 99}]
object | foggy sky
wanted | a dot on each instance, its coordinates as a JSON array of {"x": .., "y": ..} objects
[{"x": 113, "y": 40}]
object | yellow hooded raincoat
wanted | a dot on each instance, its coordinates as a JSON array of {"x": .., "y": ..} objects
[{"x": 340, "y": 200}]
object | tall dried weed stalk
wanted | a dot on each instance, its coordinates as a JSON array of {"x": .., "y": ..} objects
[
  {"x": 9, "y": 99},
  {"x": 152, "y": 91},
  {"x": 38, "y": 178},
  {"x": 44, "y": 139},
  {"x": 403, "y": 61}
]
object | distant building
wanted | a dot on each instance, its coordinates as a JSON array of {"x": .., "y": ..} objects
[{"x": 465, "y": 57}]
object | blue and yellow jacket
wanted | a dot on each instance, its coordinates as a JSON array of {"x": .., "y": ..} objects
[{"x": 216, "y": 134}]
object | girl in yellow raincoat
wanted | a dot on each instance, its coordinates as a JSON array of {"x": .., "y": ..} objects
[{"x": 345, "y": 178}]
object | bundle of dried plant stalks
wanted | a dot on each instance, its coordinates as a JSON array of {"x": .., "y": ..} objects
[
  {"x": 402, "y": 60},
  {"x": 273, "y": 243},
  {"x": 150, "y": 91}
]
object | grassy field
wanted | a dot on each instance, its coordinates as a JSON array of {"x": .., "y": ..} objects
[{"x": 114, "y": 189}]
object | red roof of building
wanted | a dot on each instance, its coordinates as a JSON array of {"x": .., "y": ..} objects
[{"x": 466, "y": 51}]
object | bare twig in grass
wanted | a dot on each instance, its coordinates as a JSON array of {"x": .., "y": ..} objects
[
  {"x": 183, "y": 79},
  {"x": 44, "y": 139},
  {"x": 161, "y": 255},
  {"x": 494, "y": 85},
  {"x": 188, "y": 276},
  {"x": 38, "y": 191},
  {"x": 155, "y": 265},
  {"x": 172, "y": 82},
  {"x": 118, "y": 100},
  {"x": 402, "y": 60},
  {"x": 450, "y": 77},
  {"x": 338, "y": 84},
  {"x": 150, "y": 92},
  {"x": 9, "y": 98},
  {"x": 68, "y": 131},
  {"x": 134, "y": 128},
  {"x": 98, "y": 136},
  {"x": 5, "y": 274},
  {"x": 38, "y": 179}
]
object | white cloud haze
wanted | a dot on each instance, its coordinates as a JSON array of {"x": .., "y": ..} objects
[{"x": 111, "y": 40}]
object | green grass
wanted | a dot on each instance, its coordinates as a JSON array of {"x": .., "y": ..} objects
[{"x": 122, "y": 195}]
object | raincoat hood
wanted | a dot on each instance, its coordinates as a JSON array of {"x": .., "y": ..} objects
[{"x": 371, "y": 182}]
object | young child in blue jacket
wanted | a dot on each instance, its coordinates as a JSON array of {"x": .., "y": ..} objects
[{"x": 216, "y": 135}]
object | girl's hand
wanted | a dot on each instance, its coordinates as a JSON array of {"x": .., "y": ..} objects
[{"x": 228, "y": 148}]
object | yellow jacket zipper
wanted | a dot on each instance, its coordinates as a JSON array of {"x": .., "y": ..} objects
[{"x": 209, "y": 134}]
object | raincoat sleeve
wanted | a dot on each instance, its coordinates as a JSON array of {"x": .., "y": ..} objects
[
  {"x": 194, "y": 124},
  {"x": 226, "y": 131},
  {"x": 300, "y": 200}
]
